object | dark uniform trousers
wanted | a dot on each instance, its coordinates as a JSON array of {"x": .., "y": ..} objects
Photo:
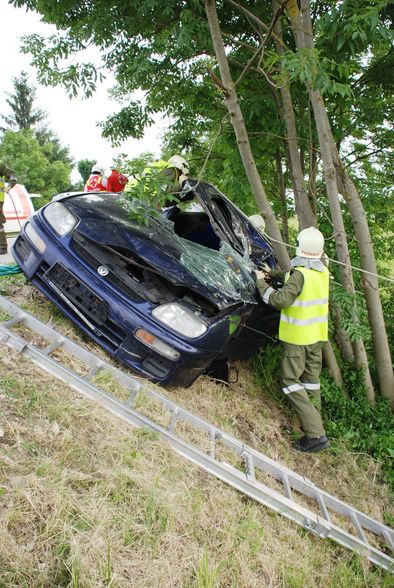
[{"x": 300, "y": 374}]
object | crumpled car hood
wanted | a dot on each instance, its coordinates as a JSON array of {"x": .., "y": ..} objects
[{"x": 105, "y": 220}]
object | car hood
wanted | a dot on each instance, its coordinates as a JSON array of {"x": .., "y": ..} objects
[{"x": 104, "y": 218}]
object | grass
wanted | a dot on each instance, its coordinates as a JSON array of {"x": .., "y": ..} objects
[{"x": 87, "y": 501}]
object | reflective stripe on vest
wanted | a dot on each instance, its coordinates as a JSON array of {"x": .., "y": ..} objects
[{"x": 306, "y": 321}]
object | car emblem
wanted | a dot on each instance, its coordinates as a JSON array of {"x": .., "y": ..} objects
[{"x": 103, "y": 271}]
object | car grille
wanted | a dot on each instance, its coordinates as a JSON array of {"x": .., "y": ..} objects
[
  {"x": 78, "y": 293},
  {"x": 110, "y": 332}
]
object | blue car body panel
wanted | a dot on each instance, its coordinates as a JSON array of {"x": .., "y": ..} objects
[{"x": 145, "y": 269}]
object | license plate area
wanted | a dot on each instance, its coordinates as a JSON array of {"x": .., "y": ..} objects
[{"x": 79, "y": 294}]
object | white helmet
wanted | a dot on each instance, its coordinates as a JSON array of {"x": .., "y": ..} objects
[
  {"x": 180, "y": 163},
  {"x": 258, "y": 222},
  {"x": 98, "y": 169},
  {"x": 310, "y": 243}
]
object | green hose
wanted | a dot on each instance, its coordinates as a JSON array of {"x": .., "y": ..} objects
[{"x": 7, "y": 270}]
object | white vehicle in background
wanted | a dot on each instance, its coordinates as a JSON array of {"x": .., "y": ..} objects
[{"x": 17, "y": 208}]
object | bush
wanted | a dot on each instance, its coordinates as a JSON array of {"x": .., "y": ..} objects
[{"x": 365, "y": 428}]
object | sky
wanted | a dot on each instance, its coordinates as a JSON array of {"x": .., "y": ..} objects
[{"x": 74, "y": 121}]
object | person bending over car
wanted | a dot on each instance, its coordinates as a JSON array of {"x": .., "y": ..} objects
[
  {"x": 159, "y": 179},
  {"x": 303, "y": 327}
]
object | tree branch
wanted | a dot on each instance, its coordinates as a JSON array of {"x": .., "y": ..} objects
[
  {"x": 263, "y": 44},
  {"x": 254, "y": 18},
  {"x": 365, "y": 156}
]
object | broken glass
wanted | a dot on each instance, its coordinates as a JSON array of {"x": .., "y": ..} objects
[{"x": 224, "y": 270}]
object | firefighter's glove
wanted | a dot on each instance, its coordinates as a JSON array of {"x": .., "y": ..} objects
[
  {"x": 261, "y": 277},
  {"x": 265, "y": 268}
]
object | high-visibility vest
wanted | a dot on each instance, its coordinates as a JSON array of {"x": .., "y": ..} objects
[
  {"x": 95, "y": 184},
  {"x": 306, "y": 320},
  {"x": 2, "y": 189},
  {"x": 153, "y": 169}
]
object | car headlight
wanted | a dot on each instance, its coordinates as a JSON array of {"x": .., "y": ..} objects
[
  {"x": 180, "y": 319},
  {"x": 60, "y": 219}
]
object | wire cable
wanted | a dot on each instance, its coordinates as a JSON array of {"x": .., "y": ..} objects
[{"x": 336, "y": 261}]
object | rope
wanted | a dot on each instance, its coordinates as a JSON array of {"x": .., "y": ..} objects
[
  {"x": 261, "y": 333},
  {"x": 218, "y": 132},
  {"x": 336, "y": 261}
]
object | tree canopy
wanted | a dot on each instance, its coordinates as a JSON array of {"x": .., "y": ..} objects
[
  {"x": 23, "y": 113},
  {"x": 31, "y": 149}
]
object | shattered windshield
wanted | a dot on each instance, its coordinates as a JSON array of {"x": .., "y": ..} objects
[{"x": 224, "y": 270}]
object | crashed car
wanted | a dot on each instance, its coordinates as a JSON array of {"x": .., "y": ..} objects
[{"x": 171, "y": 297}]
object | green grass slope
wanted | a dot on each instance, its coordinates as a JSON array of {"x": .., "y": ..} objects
[{"x": 87, "y": 501}]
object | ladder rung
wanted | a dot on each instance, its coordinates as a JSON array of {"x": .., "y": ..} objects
[
  {"x": 96, "y": 367},
  {"x": 287, "y": 487},
  {"x": 389, "y": 540},
  {"x": 132, "y": 397},
  {"x": 212, "y": 445},
  {"x": 323, "y": 506},
  {"x": 174, "y": 418},
  {"x": 249, "y": 465},
  {"x": 53, "y": 346},
  {"x": 13, "y": 321},
  {"x": 359, "y": 529}
]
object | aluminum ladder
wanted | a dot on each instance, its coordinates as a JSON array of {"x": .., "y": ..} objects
[{"x": 327, "y": 518}]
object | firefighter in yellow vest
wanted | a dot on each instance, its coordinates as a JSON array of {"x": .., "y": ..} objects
[
  {"x": 303, "y": 328},
  {"x": 162, "y": 178},
  {"x": 5, "y": 174}
]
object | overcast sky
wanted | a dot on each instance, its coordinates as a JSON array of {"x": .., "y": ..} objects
[{"x": 74, "y": 121}]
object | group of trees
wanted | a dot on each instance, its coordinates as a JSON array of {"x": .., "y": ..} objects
[
  {"x": 283, "y": 104},
  {"x": 29, "y": 148}
]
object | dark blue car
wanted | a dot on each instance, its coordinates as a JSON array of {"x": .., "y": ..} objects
[{"x": 170, "y": 297}]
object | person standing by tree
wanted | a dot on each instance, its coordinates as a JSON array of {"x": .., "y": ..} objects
[{"x": 303, "y": 328}]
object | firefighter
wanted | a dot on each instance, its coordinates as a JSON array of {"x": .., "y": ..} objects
[
  {"x": 5, "y": 174},
  {"x": 162, "y": 176},
  {"x": 97, "y": 181},
  {"x": 303, "y": 329}
]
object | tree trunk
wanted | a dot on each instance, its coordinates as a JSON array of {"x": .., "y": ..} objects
[
  {"x": 303, "y": 37},
  {"x": 369, "y": 282},
  {"x": 304, "y": 211},
  {"x": 239, "y": 126},
  {"x": 341, "y": 337},
  {"x": 312, "y": 192}
]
